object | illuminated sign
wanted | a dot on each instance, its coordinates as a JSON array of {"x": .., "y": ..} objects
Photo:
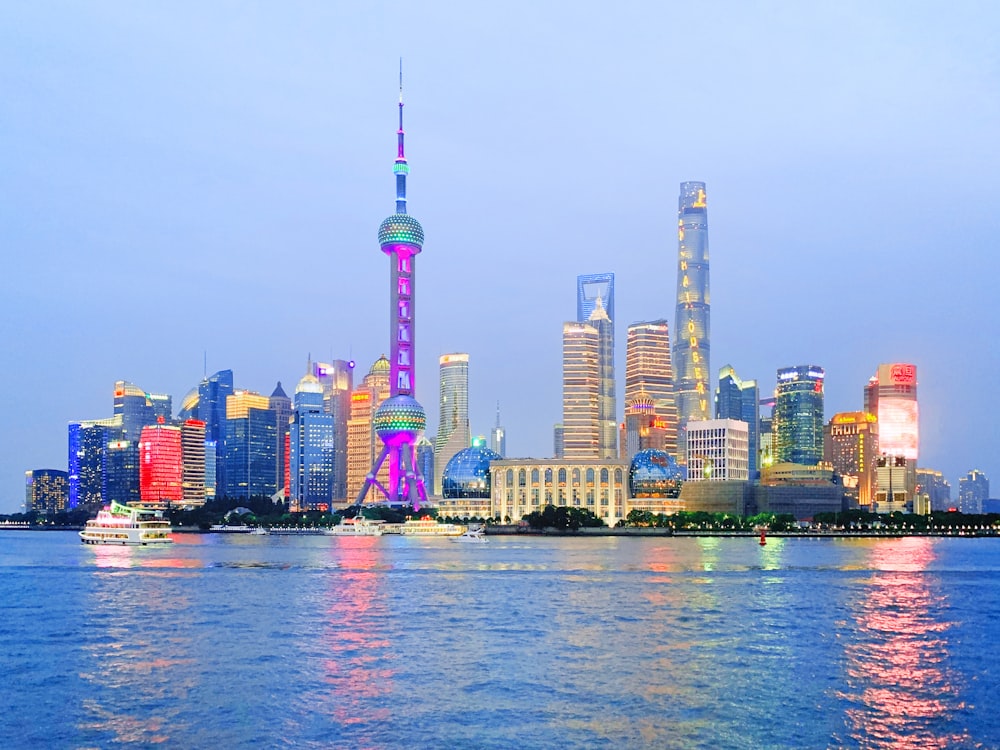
[
  {"x": 361, "y": 396},
  {"x": 903, "y": 374}
]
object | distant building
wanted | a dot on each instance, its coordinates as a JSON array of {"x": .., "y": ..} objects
[
  {"x": 649, "y": 377},
  {"x": 973, "y": 492},
  {"x": 937, "y": 489},
  {"x": 891, "y": 395},
  {"x": 454, "y": 433},
  {"x": 212, "y": 394},
  {"x": 738, "y": 399},
  {"x": 46, "y": 491},
  {"x": 850, "y": 445},
  {"x": 797, "y": 428},
  {"x": 425, "y": 461},
  {"x": 88, "y": 460},
  {"x": 498, "y": 437},
  {"x": 717, "y": 450}
]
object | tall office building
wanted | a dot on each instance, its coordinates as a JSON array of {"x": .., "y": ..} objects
[
  {"x": 46, "y": 491},
  {"x": 311, "y": 448},
  {"x": 87, "y": 460},
  {"x": 891, "y": 395},
  {"x": 937, "y": 489},
  {"x": 691, "y": 322},
  {"x": 797, "y": 429},
  {"x": 973, "y": 491},
  {"x": 649, "y": 375},
  {"x": 121, "y": 471},
  {"x": 607, "y": 436},
  {"x": 363, "y": 445},
  {"x": 282, "y": 407},
  {"x": 160, "y": 466},
  {"x": 738, "y": 399},
  {"x": 581, "y": 427},
  {"x": 589, "y": 289},
  {"x": 251, "y": 446},
  {"x": 850, "y": 445},
  {"x": 212, "y": 394},
  {"x": 400, "y": 419},
  {"x": 193, "y": 470},
  {"x": 498, "y": 437},
  {"x": 337, "y": 379},
  {"x": 453, "y": 432}
]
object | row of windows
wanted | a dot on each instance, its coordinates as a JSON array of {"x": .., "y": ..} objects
[{"x": 522, "y": 476}]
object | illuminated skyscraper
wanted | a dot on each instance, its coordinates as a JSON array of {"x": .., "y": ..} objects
[
  {"x": 797, "y": 429},
  {"x": 212, "y": 394},
  {"x": 193, "y": 471},
  {"x": 337, "y": 378},
  {"x": 891, "y": 395},
  {"x": 453, "y": 432},
  {"x": 160, "y": 466},
  {"x": 251, "y": 453},
  {"x": 850, "y": 445},
  {"x": 738, "y": 399},
  {"x": 282, "y": 407},
  {"x": 581, "y": 428},
  {"x": 88, "y": 460},
  {"x": 46, "y": 491},
  {"x": 649, "y": 377},
  {"x": 400, "y": 420},
  {"x": 973, "y": 491},
  {"x": 311, "y": 448},
  {"x": 363, "y": 445},
  {"x": 593, "y": 287},
  {"x": 691, "y": 322}
]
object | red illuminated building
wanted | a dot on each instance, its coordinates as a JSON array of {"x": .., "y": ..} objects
[{"x": 160, "y": 465}]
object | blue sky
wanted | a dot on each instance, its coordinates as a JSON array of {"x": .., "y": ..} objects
[{"x": 182, "y": 178}]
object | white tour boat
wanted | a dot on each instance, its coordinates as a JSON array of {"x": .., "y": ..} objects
[
  {"x": 473, "y": 536},
  {"x": 359, "y": 526},
  {"x": 427, "y": 526},
  {"x": 122, "y": 524}
]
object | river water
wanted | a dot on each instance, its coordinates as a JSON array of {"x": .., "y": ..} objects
[{"x": 316, "y": 642}]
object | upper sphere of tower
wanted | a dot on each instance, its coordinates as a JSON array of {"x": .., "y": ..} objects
[{"x": 401, "y": 228}]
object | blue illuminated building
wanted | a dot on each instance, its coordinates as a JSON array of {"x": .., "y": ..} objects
[
  {"x": 738, "y": 399},
  {"x": 797, "y": 424},
  {"x": 654, "y": 473},
  {"x": 250, "y": 461},
  {"x": 468, "y": 473},
  {"x": 312, "y": 451}
]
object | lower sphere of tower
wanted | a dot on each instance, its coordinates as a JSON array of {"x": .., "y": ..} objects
[{"x": 399, "y": 419}]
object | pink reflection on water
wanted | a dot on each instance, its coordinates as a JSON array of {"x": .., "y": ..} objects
[
  {"x": 356, "y": 650},
  {"x": 897, "y": 662}
]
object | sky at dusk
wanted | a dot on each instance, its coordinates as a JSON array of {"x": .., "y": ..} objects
[{"x": 187, "y": 181}]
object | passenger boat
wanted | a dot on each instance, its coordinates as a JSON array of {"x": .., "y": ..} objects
[
  {"x": 359, "y": 526},
  {"x": 427, "y": 526},
  {"x": 122, "y": 524}
]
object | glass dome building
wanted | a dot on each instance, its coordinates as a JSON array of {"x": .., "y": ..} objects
[
  {"x": 467, "y": 474},
  {"x": 654, "y": 473}
]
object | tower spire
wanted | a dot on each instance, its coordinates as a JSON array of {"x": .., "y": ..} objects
[{"x": 400, "y": 167}]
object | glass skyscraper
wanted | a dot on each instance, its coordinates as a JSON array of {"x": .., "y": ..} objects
[
  {"x": 580, "y": 427},
  {"x": 337, "y": 379},
  {"x": 738, "y": 399},
  {"x": 251, "y": 453},
  {"x": 454, "y": 433},
  {"x": 649, "y": 388},
  {"x": 691, "y": 322},
  {"x": 590, "y": 288},
  {"x": 797, "y": 426},
  {"x": 312, "y": 450},
  {"x": 595, "y": 305}
]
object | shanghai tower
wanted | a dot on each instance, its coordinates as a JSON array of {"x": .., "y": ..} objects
[{"x": 691, "y": 324}]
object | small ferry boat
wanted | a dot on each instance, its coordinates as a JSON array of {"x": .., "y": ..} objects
[
  {"x": 122, "y": 524},
  {"x": 359, "y": 526},
  {"x": 427, "y": 526}
]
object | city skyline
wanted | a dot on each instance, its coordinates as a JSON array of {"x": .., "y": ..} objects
[{"x": 146, "y": 197}]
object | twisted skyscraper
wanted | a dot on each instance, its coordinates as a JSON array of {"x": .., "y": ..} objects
[
  {"x": 400, "y": 420},
  {"x": 691, "y": 323}
]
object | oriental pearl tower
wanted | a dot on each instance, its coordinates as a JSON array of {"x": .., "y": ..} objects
[{"x": 400, "y": 420}]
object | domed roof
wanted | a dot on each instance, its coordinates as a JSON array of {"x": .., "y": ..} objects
[
  {"x": 467, "y": 473},
  {"x": 401, "y": 228},
  {"x": 309, "y": 384},
  {"x": 654, "y": 473},
  {"x": 381, "y": 366}
]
